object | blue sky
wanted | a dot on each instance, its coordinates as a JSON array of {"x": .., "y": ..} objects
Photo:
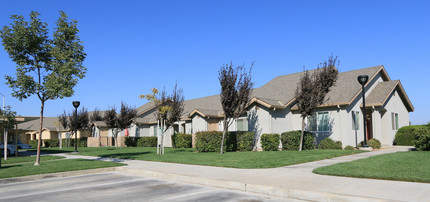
[{"x": 133, "y": 46}]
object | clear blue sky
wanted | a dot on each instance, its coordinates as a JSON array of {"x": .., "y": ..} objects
[{"x": 133, "y": 46}]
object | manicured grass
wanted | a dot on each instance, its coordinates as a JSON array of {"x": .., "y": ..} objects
[
  {"x": 264, "y": 159},
  {"x": 18, "y": 170},
  {"x": 24, "y": 159},
  {"x": 401, "y": 166}
]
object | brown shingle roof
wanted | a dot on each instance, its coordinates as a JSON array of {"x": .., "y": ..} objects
[
  {"x": 50, "y": 123},
  {"x": 380, "y": 93}
]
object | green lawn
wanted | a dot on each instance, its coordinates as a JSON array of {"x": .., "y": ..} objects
[
  {"x": 18, "y": 170},
  {"x": 24, "y": 159},
  {"x": 411, "y": 166},
  {"x": 230, "y": 159}
]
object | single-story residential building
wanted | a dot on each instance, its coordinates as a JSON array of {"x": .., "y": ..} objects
[{"x": 272, "y": 110}]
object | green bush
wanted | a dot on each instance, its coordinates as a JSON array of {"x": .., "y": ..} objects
[
  {"x": 291, "y": 140},
  {"x": 130, "y": 141},
  {"x": 422, "y": 138},
  {"x": 51, "y": 143},
  {"x": 405, "y": 135},
  {"x": 270, "y": 142},
  {"x": 146, "y": 142},
  {"x": 349, "y": 147},
  {"x": 245, "y": 141},
  {"x": 328, "y": 143},
  {"x": 182, "y": 140},
  {"x": 209, "y": 141},
  {"x": 374, "y": 143},
  {"x": 33, "y": 143}
]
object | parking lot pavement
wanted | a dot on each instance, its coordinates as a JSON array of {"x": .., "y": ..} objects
[{"x": 115, "y": 186}]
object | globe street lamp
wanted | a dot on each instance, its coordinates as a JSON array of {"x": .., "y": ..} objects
[
  {"x": 76, "y": 105},
  {"x": 362, "y": 79}
]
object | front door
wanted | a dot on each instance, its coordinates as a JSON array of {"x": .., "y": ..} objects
[{"x": 369, "y": 126}]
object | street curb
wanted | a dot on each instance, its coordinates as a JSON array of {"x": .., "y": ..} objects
[
  {"x": 252, "y": 188},
  {"x": 53, "y": 175}
]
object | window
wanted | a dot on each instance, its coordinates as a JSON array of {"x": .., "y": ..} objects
[
  {"x": 355, "y": 120},
  {"x": 155, "y": 130},
  {"x": 320, "y": 121},
  {"x": 395, "y": 121},
  {"x": 241, "y": 124}
]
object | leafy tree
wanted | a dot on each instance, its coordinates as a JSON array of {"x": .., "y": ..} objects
[
  {"x": 313, "y": 88},
  {"x": 7, "y": 117},
  {"x": 96, "y": 116},
  {"x": 47, "y": 67},
  {"x": 236, "y": 87},
  {"x": 169, "y": 109},
  {"x": 120, "y": 121}
]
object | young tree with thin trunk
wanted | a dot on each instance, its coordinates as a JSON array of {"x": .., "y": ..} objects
[
  {"x": 47, "y": 67},
  {"x": 7, "y": 118},
  {"x": 313, "y": 88},
  {"x": 119, "y": 121},
  {"x": 169, "y": 110},
  {"x": 236, "y": 87}
]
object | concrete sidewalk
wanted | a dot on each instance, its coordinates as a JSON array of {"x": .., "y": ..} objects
[{"x": 296, "y": 181}]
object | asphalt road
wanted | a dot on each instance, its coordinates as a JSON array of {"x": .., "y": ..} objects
[{"x": 115, "y": 186}]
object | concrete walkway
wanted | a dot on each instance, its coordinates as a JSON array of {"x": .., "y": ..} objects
[{"x": 296, "y": 181}]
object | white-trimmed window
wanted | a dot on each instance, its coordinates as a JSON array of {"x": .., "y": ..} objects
[
  {"x": 319, "y": 122},
  {"x": 355, "y": 120},
  {"x": 241, "y": 124},
  {"x": 395, "y": 121}
]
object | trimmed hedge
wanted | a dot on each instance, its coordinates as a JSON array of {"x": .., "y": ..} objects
[
  {"x": 82, "y": 142},
  {"x": 51, "y": 143},
  {"x": 422, "y": 138},
  {"x": 329, "y": 143},
  {"x": 130, "y": 141},
  {"x": 406, "y": 135},
  {"x": 270, "y": 142},
  {"x": 210, "y": 141},
  {"x": 291, "y": 140},
  {"x": 374, "y": 143},
  {"x": 146, "y": 142},
  {"x": 182, "y": 140},
  {"x": 245, "y": 141}
]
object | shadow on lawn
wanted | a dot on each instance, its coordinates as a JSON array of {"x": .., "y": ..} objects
[{"x": 130, "y": 155}]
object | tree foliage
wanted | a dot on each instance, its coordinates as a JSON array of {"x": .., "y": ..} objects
[
  {"x": 7, "y": 117},
  {"x": 96, "y": 115},
  {"x": 236, "y": 88},
  {"x": 313, "y": 87},
  {"x": 121, "y": 121}
]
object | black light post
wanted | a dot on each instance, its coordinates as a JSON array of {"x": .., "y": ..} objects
[
  {"x": 362, "y": 79},
  {"x": 76, "y": 105}
]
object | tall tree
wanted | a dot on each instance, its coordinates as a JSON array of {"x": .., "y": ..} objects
[
  {"x": 169, "y": 109},
  {"x": 119, "y": 121},
  {"x": 96, "y": 116},
  {"x": 48, "y": 68},
  {"x": 313, "y": 88},
  {"x": 7, "y": 117},
  {"x": 236, "y": 87}
]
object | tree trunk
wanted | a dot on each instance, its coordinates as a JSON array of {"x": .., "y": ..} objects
[
  {"x": 303, "y": 132},
  {"x": 39, "y": 142},
  {"x": 16, "y": 144},
  {"x": 5, "y": 143},
  {"x": 223, "y": 135}
]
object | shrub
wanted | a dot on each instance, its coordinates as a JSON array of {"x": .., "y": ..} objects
[
  {"x": 130, "y": 141},
  {"x": 33, "y": 143},
  {"x": 291, "y": 140},
  {"x": 245, "y": 141},
  {"x": 349, "y": 147},
  {"x": 422, "y": 138},
  {"x": 146, "y": 142},
  {"x": 374, "y": 143},
  {"x": 182, "y": 140},
  {"x": 270, "y": 142},
  {"x": 405, "y": 135},
  {"x": 51, "y": 143},
  {"x": 328, "y": 143},
  {"x": 209, "y": 141}
]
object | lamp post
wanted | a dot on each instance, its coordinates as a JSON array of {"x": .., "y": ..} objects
[
  {"x": 362, "y": 79},
  {"x": 76, "y": 105}
]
